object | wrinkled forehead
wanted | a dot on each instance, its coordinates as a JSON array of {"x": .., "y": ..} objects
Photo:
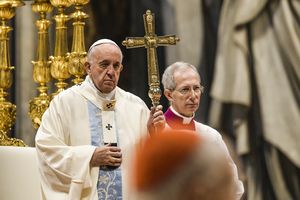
[{"x": 105, "y": 51}]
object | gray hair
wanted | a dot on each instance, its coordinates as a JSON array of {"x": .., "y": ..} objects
[{"x": 168, "y": 75}]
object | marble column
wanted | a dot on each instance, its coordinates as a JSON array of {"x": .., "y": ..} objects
[
  {"x": 185, "y": 20},
  {"x": 25, "y": 88}
]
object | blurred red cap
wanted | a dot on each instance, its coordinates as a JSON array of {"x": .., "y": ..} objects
[{"x": 162, "y": 155}]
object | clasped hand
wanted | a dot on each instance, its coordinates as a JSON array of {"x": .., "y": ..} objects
[{"x": 106, "y": 156}]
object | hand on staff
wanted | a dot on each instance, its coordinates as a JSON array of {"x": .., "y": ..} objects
[
  {"x": 106, "y": 156},
  {"x": 156, "y": 121}
]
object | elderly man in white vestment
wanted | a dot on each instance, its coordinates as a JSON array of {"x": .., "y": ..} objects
[
  {"x": 89, "y": 131},
  {"x": 182, "y": 88}
]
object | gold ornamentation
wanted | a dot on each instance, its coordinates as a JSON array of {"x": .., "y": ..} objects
[
  {"x": 60, "y": 59},
  {"x": 37, "y": 107},
  {"x": 151, "y": 41},
  {"x": 108, "y": 105},
  {"x": 7, "y": 115},
  {"x": 78, "y": 54},
  {"x": 6, "y": 141},
  {"x": 41, "y": 67},
  {"x": 7, "y": 109}
]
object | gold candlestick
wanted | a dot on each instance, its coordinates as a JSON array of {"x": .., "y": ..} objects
[
  {"x": 41, "y": 67},
  {"x": 59, "y": 65},
  {"x": 7, "y": 109},
  {"x": 78, "y": 53}
]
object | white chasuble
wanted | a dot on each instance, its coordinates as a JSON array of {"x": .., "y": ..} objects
[{"x": 72, "y": 127}]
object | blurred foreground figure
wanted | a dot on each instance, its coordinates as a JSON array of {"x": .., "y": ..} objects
[{"x": 178, "y": 164}]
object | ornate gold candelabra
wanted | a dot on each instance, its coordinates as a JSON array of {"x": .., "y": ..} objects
[
  {"x": 59, "y": 62},
  {"x": 78, "y": 54},
  {"x": 7, "y": 109},
  {"x": 41, "y": 67},
  {"x": 151, "y": 41}
]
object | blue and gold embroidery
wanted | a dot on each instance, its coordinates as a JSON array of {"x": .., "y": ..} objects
[{"x": 109, "y": 185}]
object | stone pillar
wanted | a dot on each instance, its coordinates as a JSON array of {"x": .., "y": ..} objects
[
  {"x": 185, "y": 20},
  {"x": 24, "y": 51}
]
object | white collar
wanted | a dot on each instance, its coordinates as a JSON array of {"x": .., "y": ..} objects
[{"x": 185, "y": 120}]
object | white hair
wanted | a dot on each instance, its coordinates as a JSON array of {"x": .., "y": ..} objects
[{"x": 168, "y": 75}]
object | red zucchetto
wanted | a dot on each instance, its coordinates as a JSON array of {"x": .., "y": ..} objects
[{"x": 162, "y": 155}]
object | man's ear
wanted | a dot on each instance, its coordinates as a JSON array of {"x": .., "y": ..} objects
[
  {"x": 168, "y": 94},
  {"x": 121, "y": 67},
  {"x": 87, "y": 67}
]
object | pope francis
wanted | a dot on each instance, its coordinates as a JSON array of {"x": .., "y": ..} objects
[{"x": 88, "y": 133}]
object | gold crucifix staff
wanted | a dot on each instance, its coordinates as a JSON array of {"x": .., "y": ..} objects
[{"x": 151, "y": 41}]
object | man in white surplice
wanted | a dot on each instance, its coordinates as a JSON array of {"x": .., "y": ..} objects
[
  {"x": 88, "y": 133},
  {"x": 182, "y": 88}
]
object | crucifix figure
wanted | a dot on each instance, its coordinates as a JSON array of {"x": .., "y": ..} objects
[{"x": 151, "y": 41}]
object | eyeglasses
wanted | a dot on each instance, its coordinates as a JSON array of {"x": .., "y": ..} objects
[{"x": 187, "y": 90}]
